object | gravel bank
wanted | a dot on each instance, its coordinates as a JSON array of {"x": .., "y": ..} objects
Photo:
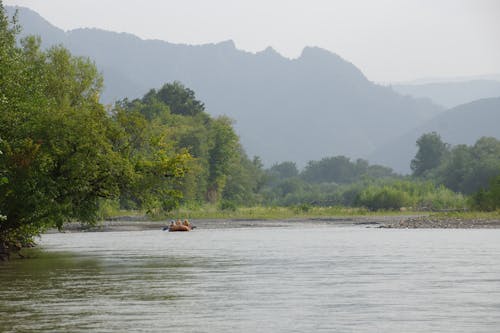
[
  {"x": 398, "y": 222},
  {"x": 429, "y": 222}
]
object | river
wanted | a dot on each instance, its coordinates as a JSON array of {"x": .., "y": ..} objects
[{"x": 297, "y": 278}]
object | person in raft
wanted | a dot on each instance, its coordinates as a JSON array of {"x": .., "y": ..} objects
[{"x": 186, "y": 223}]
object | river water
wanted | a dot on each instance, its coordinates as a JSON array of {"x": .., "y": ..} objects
[{"x": 316, "y": 278}]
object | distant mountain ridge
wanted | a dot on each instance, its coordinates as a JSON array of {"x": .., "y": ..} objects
[
  {"x": 451, "y": 94},
  {"x": 285, "y": 109},
  {"x": 463, "y": 124}
]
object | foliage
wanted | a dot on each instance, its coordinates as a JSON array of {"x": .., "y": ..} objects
[
  {"x": 171, "y": 121},
  {"x": 431, "y": 151},
  {"x": 58, "y": 151},
  {"x": 208, "y": 211},
  {"x": 386, "y": 197},
  {"x": 404, "y": 193},
  {"x": 3, "y": 180},
  {"x": 488, "y": 199},
  {"x": 181, "y": 100},
  {"x": 328, "y": 182},
  {"x": 62, "y": 153},
  {"x": 280, "y": 171},
  {"x": 340, "y": 169},
  {"x": 63, "y": 156},
  {"x": 467, "y": 169}
]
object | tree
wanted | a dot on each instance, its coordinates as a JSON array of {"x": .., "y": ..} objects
[
  {"x": 455, "y": 168},
  {"x": 3, "y": 179},
  {"x": 431, "y": 151},
  {"x": 180, "y": 99},
  {"x": 59, "y": 152},
  {"x": 488, "y": 199},
  {"x": 244, "y": 180},
  {"x": 284, "y": 170},
  {"x": 222, "y": 152},
  {"x": 330, "y": 169},
  {"x": 217, "y": 168},
  {"x": 157, "y": 167},
  {"x": 467, "y": 169}
]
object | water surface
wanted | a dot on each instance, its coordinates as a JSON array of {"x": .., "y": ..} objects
[{"x": 292, "y": 279}]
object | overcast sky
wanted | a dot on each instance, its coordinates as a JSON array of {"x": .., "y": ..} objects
[{"x": 389, "y": 40}]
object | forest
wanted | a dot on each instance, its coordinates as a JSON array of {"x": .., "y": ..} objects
[{"x": 64, "y": 156}]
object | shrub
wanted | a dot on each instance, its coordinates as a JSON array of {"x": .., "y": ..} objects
[
  {"x": 384, "y": 197},
  {"x": 489, "y": 199}
]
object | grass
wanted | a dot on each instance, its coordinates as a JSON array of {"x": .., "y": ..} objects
[
  {"x": 279, "y": 213},
  {"x": 274, "y": 213},
  {"x": 468, "y": 215}
]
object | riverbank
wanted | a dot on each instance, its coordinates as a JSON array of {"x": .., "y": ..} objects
[
  {"x": 443, "y": 222},
  {"x": 407, "y": 221}
]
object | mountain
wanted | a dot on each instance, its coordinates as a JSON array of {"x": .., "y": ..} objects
[
  {"x": 463, "y": 124},
  {"x": 451, "y": 94},
  {"x": 285, "y": 109}
]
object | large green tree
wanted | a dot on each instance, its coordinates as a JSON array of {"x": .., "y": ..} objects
[
  {"x": 340, "y": 169},
  {"x": 217, "y": 168},
  {"x": 59, "y": 155},
  {"x": 488, "y": 199},
  {"x": 467, "y": 169},
  {"x": 62, "y": 152},
  {"x": 222, "y": 152},
  {"x": 283, "y": 170},
  {"x": 431, "y": 152}
]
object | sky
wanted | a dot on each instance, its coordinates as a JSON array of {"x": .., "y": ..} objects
[{"x": 389, "y": 40}]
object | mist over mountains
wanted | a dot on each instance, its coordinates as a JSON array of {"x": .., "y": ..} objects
[
  {"x": 463, "y": 124},
  {"x": 451, "y": 94},
  {"x": 297, "y": 110}
]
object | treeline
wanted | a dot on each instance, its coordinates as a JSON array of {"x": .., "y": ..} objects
[
  {"x": 443, "y": 177},
  {"x": 472, "y": 170},
  {"x": 216, "y": 166},
  {"x": 64, "y": 156},
  {"x": 338, "y": 181}
]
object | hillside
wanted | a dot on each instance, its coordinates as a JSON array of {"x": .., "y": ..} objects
[
  {"x": 463, "y": 124},
  {"x": 451, "y": 94},
  {"x": 285, "y": 109}
]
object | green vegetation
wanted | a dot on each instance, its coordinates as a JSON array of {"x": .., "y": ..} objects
[
  {"x": 471, "y": 170},
  {"x": 467, "y": 215},
  {"x": 59, "y": 153},
  {"x": 65, "y": 157},
  {"x": 431, "y": 152},
  {"x": 214, "y": 163},
  {"x": 462, "y": 168},
  {"x": 269, "y": 212},
  {"x": 488, "y": 199}
]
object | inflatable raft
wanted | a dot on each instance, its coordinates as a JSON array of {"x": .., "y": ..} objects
[{"x": 179, "y": 228}]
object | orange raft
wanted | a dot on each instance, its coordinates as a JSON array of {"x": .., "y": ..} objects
[{"x": 181, "y": 227}]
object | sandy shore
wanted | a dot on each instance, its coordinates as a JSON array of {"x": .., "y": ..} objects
[{"x": 399, "y": 222}]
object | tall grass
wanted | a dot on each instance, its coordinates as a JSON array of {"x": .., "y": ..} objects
[{"x": 271, "y": 212}]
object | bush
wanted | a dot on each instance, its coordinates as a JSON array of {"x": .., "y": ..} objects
[
  {"x": 383, "y": 198},
  {"x": 227, "y": 205},
  {"x": 488, "y": 200},
  {"x": 302, "y": 208}
]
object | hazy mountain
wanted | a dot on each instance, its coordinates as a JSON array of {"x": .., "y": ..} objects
[
  {"x": 285, "y": 109},
  {"x": 451, "y": 94},
  {"x": 463, "y": 124}
]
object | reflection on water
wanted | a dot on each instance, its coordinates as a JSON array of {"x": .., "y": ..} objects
[
  {"x": 63, "y": 291},
  {"x": 258, "y": 279}
]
